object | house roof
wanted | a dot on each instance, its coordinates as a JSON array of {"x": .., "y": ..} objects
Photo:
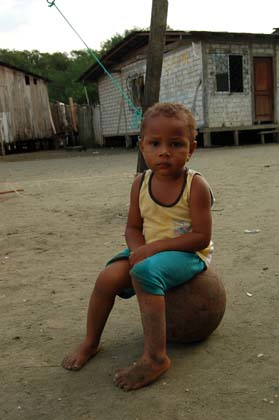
[
  {"x": 131, "y": 42},
  {"x": 138, "y": 39},
  {"x": 10, "y": 66}
]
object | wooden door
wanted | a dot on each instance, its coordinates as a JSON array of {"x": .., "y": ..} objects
[{"x": 263, "y": 88}]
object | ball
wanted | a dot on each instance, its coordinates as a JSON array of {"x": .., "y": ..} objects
[{"x": 195, "y": 309}]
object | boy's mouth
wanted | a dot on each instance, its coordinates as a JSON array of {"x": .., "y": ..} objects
[{"x": 163, "y": 165}]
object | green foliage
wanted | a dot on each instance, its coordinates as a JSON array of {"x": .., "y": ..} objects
[
  {"x": 63, "y": 69},
  {"x": 115, "y": 39}
]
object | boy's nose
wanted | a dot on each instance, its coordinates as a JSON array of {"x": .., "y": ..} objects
[{"x": 164, "y": 151}]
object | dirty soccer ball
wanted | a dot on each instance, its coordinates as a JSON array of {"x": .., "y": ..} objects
[{"x": 195, "y": 309}]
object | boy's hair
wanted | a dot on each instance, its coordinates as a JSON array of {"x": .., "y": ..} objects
[{"x": 171, "y": 110}]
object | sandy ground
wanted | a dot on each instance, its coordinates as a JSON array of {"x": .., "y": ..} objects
[{"x": 56, "y": 236}]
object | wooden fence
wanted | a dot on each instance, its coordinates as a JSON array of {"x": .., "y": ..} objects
[
  {"x": 90, "y": 133},
  {"x": 78, "y": 124},
  {"x": 72, "y": 125}
]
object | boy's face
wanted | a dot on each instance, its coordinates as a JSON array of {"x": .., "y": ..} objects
[{"x": 166, "y": 145}]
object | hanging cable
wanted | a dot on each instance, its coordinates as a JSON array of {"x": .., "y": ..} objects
[{"x": 137, "y": 111}]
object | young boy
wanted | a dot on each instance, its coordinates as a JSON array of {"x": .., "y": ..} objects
[{"x": 168, "y": 235}]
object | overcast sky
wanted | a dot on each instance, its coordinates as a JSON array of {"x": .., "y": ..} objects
[{"x": 31, "y": 24}]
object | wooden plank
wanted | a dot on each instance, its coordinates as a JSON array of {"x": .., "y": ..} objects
[
  {"x": 5, "y": 131},
  {"x": 11, "y": 191},
  {"x": 263, "y": 133},
  {"x": 239, "y": 128},
  {"x": 73, "y": 114},
  {"x": 269, "y": 131}
]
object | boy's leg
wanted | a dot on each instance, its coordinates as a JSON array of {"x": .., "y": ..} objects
[
  {"x": 154, "y": 361},
  {"x": 155, "y": 275},
  {"x": 109, "y": 283}
]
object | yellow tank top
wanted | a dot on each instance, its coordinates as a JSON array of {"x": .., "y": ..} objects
[{"x": 168, "y": 221}]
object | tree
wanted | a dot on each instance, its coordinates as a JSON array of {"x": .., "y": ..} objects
[{"x": 62, "y": 69}]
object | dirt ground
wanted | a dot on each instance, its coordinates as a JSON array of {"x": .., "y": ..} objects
[{"x": 57, "y": 234}]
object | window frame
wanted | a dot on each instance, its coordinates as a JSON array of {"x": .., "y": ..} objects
[
  {"x": 228, "y": 73},
  {"x": 136, "y": 86}
]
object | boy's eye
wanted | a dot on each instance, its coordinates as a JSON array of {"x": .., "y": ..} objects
[
  {"x": 175, "y": 143},
  {"x": 154, "y": 143}
]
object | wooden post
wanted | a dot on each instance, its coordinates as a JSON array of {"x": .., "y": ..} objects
[
  {"x": 74, "y": 122},
  {"x": 2, "y": 147},
  {"x": 207, "y": 138},
  {"x": 236, "y": 138},
  {"x": 86, "y": 95},
  {"x": 73, "y": 115},
  {"x": 154, "y": 62}
]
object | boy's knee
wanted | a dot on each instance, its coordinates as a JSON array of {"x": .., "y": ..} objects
[
  {"x": 141, "y": 270},
  {"x": 106, "y": 279},
  {"x": 112, "y": 278},
  {"x": 146, "y": 275},
  {"x": 102, "y": 281}
]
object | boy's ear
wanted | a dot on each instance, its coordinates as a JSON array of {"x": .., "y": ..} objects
[
  {"x": 192, "y": 148},
  {"x": 141, "y": 144}
]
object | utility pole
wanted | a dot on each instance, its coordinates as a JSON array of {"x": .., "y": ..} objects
[{"x": 154, "y": 62}]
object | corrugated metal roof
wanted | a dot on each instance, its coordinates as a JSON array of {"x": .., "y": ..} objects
[
  {"x": 138, "y": 39},
  {"x": 11, "y": 66}
]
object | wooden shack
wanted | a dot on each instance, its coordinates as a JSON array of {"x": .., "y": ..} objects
[
  {"x": 229, "y": 80},
  {"x": 24, "y": 108}
]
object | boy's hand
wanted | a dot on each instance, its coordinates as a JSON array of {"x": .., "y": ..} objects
[{"x": 142, "y": 252}]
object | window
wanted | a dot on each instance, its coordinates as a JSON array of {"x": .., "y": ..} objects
[
  {"x": 35, "y": 81},
  {"x": 27, "y": 80},
  {"x": 229, "y": 73},
  {"x": 136, "y": 88}
]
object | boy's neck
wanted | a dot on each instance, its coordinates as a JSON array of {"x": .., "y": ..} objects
[
  {"x": 171, "y": 177},
  {"x": 167, "y": 190}
]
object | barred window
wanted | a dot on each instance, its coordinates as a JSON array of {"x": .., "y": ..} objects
[
  {"x": 229, "y": 73},
  {"x": 136, "y": 89}
]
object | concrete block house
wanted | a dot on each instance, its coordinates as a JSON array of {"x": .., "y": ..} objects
[{"x": 229, "y": 80}]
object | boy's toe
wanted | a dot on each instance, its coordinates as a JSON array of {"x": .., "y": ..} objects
[
  {"x": 70, "y": 364},
  {"x": 76, "y": 366},
  {"x": 67, "y": 362}
]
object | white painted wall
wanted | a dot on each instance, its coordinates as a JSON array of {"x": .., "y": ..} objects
[
  {"x": 180, "y": 82},
  {"x": 182, "y": 78},
  {"x": 227, "y": 109}
]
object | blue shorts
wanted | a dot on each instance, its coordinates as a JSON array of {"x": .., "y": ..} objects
[{"x": 162, "y": 271}]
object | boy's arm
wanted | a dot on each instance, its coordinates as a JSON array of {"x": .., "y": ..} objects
[
  {"x": 198, "y": 238},
  {"x": 133, "y": 233}
]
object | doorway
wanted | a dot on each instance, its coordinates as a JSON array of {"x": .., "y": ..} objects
[{"x": 263, "y": 89}]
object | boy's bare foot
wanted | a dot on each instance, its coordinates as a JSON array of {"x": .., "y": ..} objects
[
  {"x": 140, "y": 374},
  {"x": 80, "y": 357}
]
